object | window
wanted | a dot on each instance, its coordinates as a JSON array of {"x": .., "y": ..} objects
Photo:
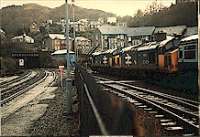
[
  {"x": 181, "y": 54},
  {"x": 190, "y": 47},
  {"x": 189, "y": 54}
]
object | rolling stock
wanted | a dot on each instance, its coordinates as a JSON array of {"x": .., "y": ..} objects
[{"x": 168, "y": 56}]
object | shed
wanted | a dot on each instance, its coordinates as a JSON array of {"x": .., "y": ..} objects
[{"x": 60, "y": 56}]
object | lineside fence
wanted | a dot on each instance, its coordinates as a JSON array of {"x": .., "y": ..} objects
[{"x": 102, "y": 113}]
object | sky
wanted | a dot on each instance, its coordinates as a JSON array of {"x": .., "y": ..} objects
[{"x": 118, "y": 7}]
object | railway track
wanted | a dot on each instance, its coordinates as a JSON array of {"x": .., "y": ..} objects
[
  {"x": 9, "y": 82},
  {"x": 15, "y": 90},
  {"x": 174, "y": 113}
]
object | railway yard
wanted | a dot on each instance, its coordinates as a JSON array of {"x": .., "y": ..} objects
[
  {"x": 32, "y": 104},
  {"x": 174, "y": 113}
]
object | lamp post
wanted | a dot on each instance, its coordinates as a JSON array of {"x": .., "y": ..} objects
[
  {"x": 67, "y": 32},
  {"x": 74, "y": 35},
  {"x": 198, "y": 47}
]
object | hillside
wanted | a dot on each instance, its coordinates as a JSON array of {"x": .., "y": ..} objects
[
  {"x": 80, "y": 13},
  {"x": 14, "y": 18},
  {"x": 181, "y": 14}
]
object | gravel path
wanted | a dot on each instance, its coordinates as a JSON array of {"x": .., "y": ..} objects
[
  {"x": 39, "y": 112},
  {"x": 52, "y": 123}
]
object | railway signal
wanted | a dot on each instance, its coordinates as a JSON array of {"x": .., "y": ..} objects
[{"x": 21, "y": 62}]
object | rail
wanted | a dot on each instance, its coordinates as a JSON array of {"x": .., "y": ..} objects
[{"x": 87, "y": 89}]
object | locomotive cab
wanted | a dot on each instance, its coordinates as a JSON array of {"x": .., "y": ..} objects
[{"x": 171, "y": 61}]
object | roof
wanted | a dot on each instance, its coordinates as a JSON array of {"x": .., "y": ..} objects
[
  {"x": 96, "y": 53},
  {"x": 140, "y": 31},
  {"x": 173, "y": 51},
  {"x": 1, "y": 31},
  {"x": 191, "y": 31},
  {"x": 22, "y": 36},
  {"x": 63, "y": 51},
  {"x": 112, "y": 30},
  {"x": 109, "y": 51},
  {"x": 164, "y": 42},
  {"x": 148, "y": 46},
  {"x": 130, "y": 47},
  {"x": 58, "y": 36},
  {"x": 171, "y": 30},
  {"x": 193, "y": 37},
  {"x": 81, "y": 38}
]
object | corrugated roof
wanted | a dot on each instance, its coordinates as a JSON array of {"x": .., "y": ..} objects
[
  {"x": 191, "y": 31},
  {"x": 140, "y": 31},
  {"x": 171, "y": 30},
  {"x": 112, "y": 30}
]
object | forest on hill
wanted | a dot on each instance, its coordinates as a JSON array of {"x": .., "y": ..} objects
[{"x": 157, "y": 15}]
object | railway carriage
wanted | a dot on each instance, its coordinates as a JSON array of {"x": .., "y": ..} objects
[
  {"x": 129, "y": 57},
  {"x": 147, "y": 57},
  {"x": 96, "y": 58},
  {"x": 168, "y": 55},
  {"x": 188, "y": 54},
  {"x": 162, "y": 57}
]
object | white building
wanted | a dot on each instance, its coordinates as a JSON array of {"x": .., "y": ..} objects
[
  {"x": 83, "y": 45},
  {"x": 2, "y": 34},
  {"x": 111, "y": 20},
  {"x": 23, "y": 38}
]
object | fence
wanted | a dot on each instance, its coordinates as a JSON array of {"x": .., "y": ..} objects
[{"x": 98, "y": 114}]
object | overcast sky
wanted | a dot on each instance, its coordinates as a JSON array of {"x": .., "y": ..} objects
[{"x": 119, "y": 7}]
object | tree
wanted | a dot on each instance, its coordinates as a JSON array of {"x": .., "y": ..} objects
[{"x": 153, "y": 8}]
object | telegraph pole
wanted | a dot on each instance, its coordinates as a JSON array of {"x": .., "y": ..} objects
[
  {"x": 74, "y": 35},
  {"x": 67, "y": 32},
  {"x": 198, "y": 49}
]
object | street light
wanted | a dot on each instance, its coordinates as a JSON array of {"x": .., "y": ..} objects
[
  {"x": 67, "y": 32},
  {"x": 198, "y": 47}
]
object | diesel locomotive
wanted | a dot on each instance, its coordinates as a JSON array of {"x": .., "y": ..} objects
[{"x": 169, "y": 56}]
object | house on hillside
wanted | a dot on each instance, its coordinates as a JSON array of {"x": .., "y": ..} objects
[
  {"x": 94, "y": 24},
  {"x": 138, "y": 35},
  {"x": 112, "y": 20},
  {"x": 83, "y": 25},
  {"x": 2, "y": 34},
  {"x": 34, "y": 27},
  {"x": 56, "y": 42},
  {"x": 112, "y": 36},
  {"x": 82, "y": 45},
  {"x": 23, "y": 38}
]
